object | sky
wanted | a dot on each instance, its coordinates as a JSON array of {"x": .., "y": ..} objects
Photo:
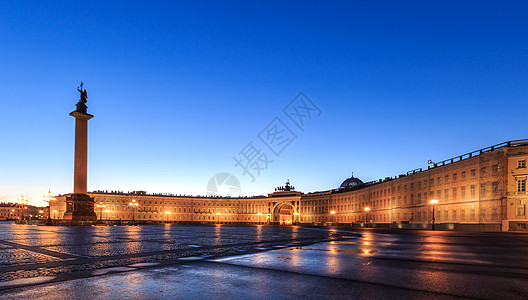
[{"x": 179, "y": 90}]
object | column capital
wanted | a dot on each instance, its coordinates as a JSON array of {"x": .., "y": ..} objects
[{"x": 80, "y": 115}]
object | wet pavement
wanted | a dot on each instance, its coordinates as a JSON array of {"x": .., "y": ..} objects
[{"x": 258, "y": 262}]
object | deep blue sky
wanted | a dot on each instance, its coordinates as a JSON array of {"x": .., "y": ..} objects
[{"x": 178, "y": 90}]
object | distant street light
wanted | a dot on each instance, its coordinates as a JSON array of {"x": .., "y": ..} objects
[
  {"x": 49, "y": 199},
  {"x": 433, "y": 203},
  {"x": 296, "y": 217},
  {"x": 134, "y": 206},
  {"x": 367, "y": 209},
  {"x": 332, "y": 213},
  {"x": 101, "y": 206}
]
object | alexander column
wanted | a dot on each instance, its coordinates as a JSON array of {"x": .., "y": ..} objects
[{"x": 79, "y": 206}]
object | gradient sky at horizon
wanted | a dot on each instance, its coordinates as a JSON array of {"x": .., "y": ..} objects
[{"x": 179, "y": 89}]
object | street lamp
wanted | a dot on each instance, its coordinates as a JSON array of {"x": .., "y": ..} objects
[
  {"x": 367, "y": 209},
  {"x": 134, "y": 205},
  {"x": 332, "y": 213},
  {"x": 218, "y": 218},
  {"x": 296, "y": 216},
  {"x": 49, "y": 199},
  {"x": 101, "y": 206},
  {"x": 433, "y": 203}
]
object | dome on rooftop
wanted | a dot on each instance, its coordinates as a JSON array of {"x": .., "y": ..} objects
[{"x": 351, "y": 182}]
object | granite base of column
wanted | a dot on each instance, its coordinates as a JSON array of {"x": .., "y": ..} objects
[{"x": 80, "y": 210}]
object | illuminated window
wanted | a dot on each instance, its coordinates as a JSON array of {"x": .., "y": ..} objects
[{"x": 521, "y": 164}]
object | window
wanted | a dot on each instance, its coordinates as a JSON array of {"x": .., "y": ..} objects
[
  {"x": 495, "y": 170},
  {"x": 483, "y": 214},
  {"x": 521, "y": 164},
  {"x": 472, "y": 215},
  {"x": 495, "y": 187},
  {"x": 463, "y": 192},
  {"x": 425, "y": 184},
  {"x": 439, "y": 180},
  {"x": 473, "y": 173},
  {"x": 463, "y": 175},
  {"x": 454, "y": 214},
  {"x": 463, "y": 214},
  {"x": 495, "y": 214},
  {"x": 446, "y": 194},
  {"x": 473, "y": 191},
  {"x": 454, "y": 193},
  {"x": 446, "y": 179},
  {"x": 431, "y": 183},
  {"x": 521, "y": 185},
  {"x": 455, "y": 177},
  {"x": 483, "y": 190},
  {"x": 446, "y": 215},
  {"x": 483, "y": 171}
]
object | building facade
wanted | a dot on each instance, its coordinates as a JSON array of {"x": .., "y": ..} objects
[{"x": 480, "y": 190}]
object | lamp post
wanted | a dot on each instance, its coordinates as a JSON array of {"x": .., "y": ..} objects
[
  {"x": 259, "y": 214},
  {"x": 101, "y": 206},
  {"x": 367, "y": 209},
  {"x": 296, "y": 217},
  {"x": 49, "y": 199},
  {"x": 134, "y": 205},
  {"x": 332, "y": 213},
  {"x": 433, "y": 203}
]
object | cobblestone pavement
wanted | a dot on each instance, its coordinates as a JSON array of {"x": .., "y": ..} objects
[
  {"x": 258, "y": 262},
  {"x": 38, "y": 251}
]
